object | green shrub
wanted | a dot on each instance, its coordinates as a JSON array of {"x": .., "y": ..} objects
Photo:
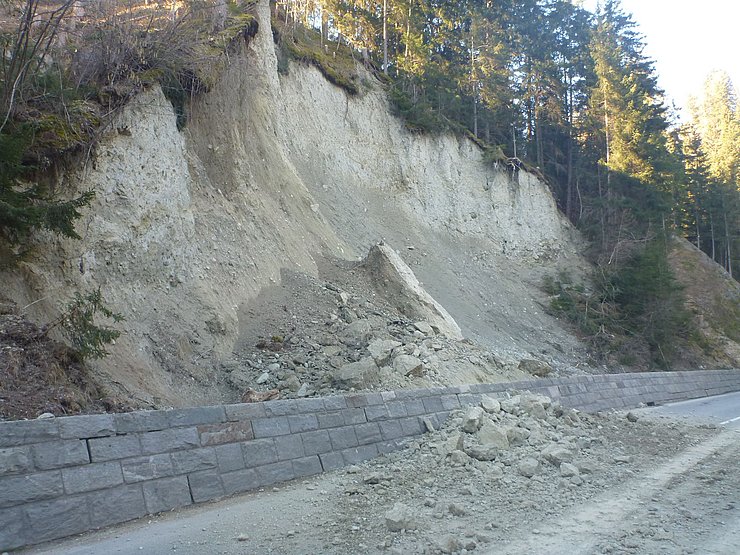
[
  {"x": 25, "y": 206},
  {"x": 78, "y": 323},
  {"x": 639, "y": 301}
]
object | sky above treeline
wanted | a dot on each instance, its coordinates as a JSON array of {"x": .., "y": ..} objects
[{"x": 687, "y": 39}]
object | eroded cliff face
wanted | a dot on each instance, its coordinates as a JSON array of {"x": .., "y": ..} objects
[{"x": 275, "y": 172}]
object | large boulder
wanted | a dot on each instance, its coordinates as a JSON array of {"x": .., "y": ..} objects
[
  {"x": 535, "y": 367},
  {"x": 400, "y": 517},
  {"x": 472, "y": 419},
  {"x": 357, "y": 375},
  {"x": 399, "y": 285},
  {"x": 381, "y": 349},
  {"x": 557, "y": 453},
  {"x": 408, "y": 365},
  {"x": 491, "y": 435}
]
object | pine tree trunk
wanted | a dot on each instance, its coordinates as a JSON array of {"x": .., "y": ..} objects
[
  {"x": 729, "y": 246},
  {"x": 408, "y": 32},
  {"x": 569, "y": 182},
  {"x": 698, "y": 231},
  {"x": 474, "y": 85},
  {"x": 385, "y": 37},
  {"x": 324, "y": 26}
]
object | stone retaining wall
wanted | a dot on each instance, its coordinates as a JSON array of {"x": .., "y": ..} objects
[{"x": 63, "y": 476}]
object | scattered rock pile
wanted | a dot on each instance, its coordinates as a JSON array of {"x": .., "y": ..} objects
[
  {"x": 355, "y": 340},
  {"x": 524, "y": 434},
  {"x": 490, "y": 469}
]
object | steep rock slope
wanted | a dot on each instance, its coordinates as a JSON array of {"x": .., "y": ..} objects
[{"x": 279, "y": 173}]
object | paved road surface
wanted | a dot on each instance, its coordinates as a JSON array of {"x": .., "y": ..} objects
[
  {"x": 723, "y": 410},
  {"x": 695, "y": 495}
]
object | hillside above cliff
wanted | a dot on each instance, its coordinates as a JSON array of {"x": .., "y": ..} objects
[
  {"x": 239, "y": 248},
  {"x": 247, "y": 224}
]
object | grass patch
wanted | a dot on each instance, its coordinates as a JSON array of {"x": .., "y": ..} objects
[{"x": 336, "y": 61}]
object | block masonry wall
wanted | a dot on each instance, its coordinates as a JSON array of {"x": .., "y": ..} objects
[{"x": 63, "y": 476}]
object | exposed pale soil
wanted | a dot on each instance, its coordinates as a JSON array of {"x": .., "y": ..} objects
[{"x": 197, "y": 236}]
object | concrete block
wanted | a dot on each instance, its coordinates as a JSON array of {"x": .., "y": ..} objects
[
  {"x": 49, "y": 520},
  {"x": 390, "y": 429},
  {"x": 13, "y": 529},
  {"x": 245, "y": 411},
  {"x": 259, "y": 451},
  {"x": 356, "y": 455},
  {"x": 449, "y": 402},
  {"x": 341, "y": 438},
  {"x": 116, "y": 447},
  {"x": 332, "y": 419},
  {"x": 316, "y": 442},
  {"x": 147, "y": 468},
  {"x": 240, "y": 480},
  {"x": 58, "y": 454},
  {"x": 205, "y": 485},
  {"x": 85, "y": 427},
  {"x": 480, "y": 388},
  {"x": 166, "y": 493},
  {"x": 364, "y": 400},
  {"x": 163, "y": 441},
  {"x": 141, "y": 421},
  {"x": 116, "y": 505},
  {"x": 388, "y": 396},
  {"x": 404, "y": 394},
  {"x": 396, "y": 409},
  {"x": 331, "y": 461},
  {"x": 375, "y": 413},
  {"x": 15, "y": 490},
  {"x": 415, "y": 407},
  {"x": 303, "y": 423},
  {"x": 92, "y": 476},
  {"x": 335, "y": 402},
  {"x": 469, "y": 399},
  {"x": 307, "y": 466},
  {"x": 277, "y": 472},
  {"x": 412, "y": 426},
  {"x": 225, "y": 432},
  {"x": 441, "y": 419},
  {"x": 282, "y": 407},
  {"x": 436, "y": 392},
  {"x": 354, "y": 416},
  {"x": 368, "y": 433},
  {"x": 433, "y": 404},
  {"x": 270, "y": 427},
  {"x": 23, "y": 432},
  {"x": 14, "y": 460},
  {"x": 196, "y": 416},
  {"x": 310, "y": 405},
  {"x": 289, "y": 447},
  {"x": 229, "y": 457},
  {"x": 193, "y": 460}
]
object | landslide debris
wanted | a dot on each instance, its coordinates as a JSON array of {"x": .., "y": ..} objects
[
  {"x": 349, "y": 330},
  {"x": 494, "y": 471}
]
